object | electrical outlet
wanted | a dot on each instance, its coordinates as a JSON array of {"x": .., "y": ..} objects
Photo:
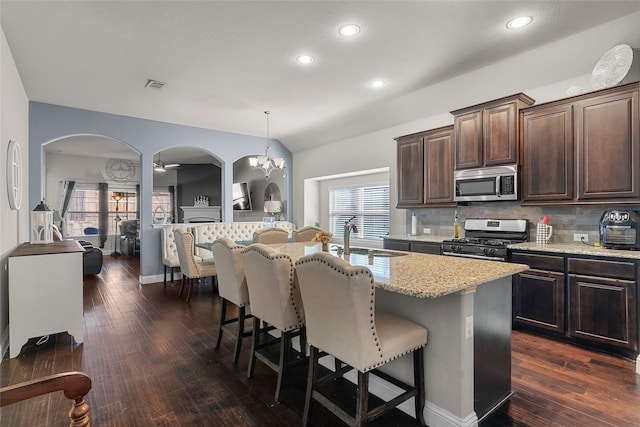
[
  {"x": 426, "y": 231},
  {"x": 577, "y": 237},
  {"x": 468, "y": 328}
]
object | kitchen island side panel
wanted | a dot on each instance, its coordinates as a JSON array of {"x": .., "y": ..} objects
[{"x": 449, "y": 361}]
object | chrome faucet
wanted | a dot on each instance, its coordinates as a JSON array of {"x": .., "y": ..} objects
[{"x": 348, "y": 228}]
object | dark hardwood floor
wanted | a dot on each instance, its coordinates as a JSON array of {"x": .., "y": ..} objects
[{"x": 152, "y": 361}]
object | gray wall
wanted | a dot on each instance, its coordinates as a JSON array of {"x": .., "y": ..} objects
[
  {"x": 48, "y": 123},
  {"x": 198, "y": 180}
]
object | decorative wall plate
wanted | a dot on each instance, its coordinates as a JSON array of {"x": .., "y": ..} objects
[
  {"x": 14, "y": 175},
  {"x": 120, "y": 170},
  {"x": 612, "y": 67}
]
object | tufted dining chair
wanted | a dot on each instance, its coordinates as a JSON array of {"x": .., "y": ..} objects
[
  {"x": 275, "y": 300},
  {"x": 306, "y": 233},
  {"x": 269, "y": 235},
  {"x": 341, "y": 321},
  {"x": 191, "y": 269},
  {"x": 169, "y": 250},
  {"x": 232, "y": 287}
]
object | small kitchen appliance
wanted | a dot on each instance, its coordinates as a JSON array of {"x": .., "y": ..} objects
[
  {"x": 620, "y": 229},
  {"x": 487, "y": 238}
]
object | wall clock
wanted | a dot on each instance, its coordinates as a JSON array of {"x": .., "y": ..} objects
[
  {"x": 14, "y": 175},
  {"x": 120, "y": 170}
]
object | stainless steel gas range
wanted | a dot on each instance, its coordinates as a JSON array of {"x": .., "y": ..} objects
[{"x": 487, "y": 238}]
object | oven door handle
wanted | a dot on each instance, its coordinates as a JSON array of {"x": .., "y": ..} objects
[
  {"x": 483, "y": 257},
  {"x": 498, "y": 186}
]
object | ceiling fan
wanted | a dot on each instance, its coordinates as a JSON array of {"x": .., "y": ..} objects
[{"x": 161, "y": 166}]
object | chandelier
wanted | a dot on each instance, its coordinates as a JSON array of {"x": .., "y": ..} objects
[{"x": 266, "y": 163}]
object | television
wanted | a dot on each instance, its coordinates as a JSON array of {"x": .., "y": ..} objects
[{"x": 241, "y": 196}]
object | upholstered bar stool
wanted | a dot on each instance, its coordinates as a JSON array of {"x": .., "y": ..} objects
[
  {"x": 232, "y": 287},
  {"x": 270, "y": 235},
  {"x": 275, "y": 300},
  {"x": 190, "y": 268},
  {"x": 306, "y": 233},
  {"x": 341, "y": 321}
]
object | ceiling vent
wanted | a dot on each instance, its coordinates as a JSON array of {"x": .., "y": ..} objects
[{"x": 154, "y": 84}]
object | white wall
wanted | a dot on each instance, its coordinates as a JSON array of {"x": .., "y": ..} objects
[
  {"x": 14, "y": 125},
  {"x": 377, "y": 148}
]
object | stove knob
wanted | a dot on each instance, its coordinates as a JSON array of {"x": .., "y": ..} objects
[{"x": 489, "y": 251}]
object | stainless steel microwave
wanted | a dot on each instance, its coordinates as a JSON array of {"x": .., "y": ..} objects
[{"x": 486, "y": 184}]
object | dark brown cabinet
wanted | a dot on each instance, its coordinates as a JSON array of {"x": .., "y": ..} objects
[
  {"x": 584, "y": 149},
  {"x": 547, "y": 172},
  {"x": 410, "y": 154},
  {"x": 602, "y": 302},
  {"x": 607, "y": 131},
  {"x": 412, "y": 246},
  {"x": 487, "y": 134},
  {"x": 425, "y": 168},
  {"x": 591, "y": 301},
  {"x": 538, "y": 293}
]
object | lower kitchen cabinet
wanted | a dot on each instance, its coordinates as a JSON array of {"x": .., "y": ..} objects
[
  {"x": 589, "y": 301},
  {"x": 603, "y": 310},
  {"x": 538, "y": 293},
  {"x": 398, "y": 245}
]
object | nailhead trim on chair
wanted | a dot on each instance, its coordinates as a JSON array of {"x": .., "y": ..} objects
[{"x": 291, "y": 281}]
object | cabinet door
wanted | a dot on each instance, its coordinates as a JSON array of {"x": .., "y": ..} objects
[
  {"x": 500, "y": 135},
  {"x": 538, "y": 299},
  {"x": 468, "y": 140},
  {"x": 603, "y": 310},
  {"x": 608, "y": 146},
  {"x": 547, "y": 171},
  {"x": 410, "y": 156},
  {"x": 438, "y": 160}
]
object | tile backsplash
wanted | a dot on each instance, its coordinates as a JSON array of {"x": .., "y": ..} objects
[{"x": 565, "y": 220}]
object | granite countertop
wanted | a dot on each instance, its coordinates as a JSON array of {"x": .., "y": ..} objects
[
  {"x": 577, "y": 249},
  {"x": 417, "y": 238},
  {"x": 419, "y": 275}
]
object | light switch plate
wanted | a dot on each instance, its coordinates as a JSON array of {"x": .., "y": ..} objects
[
  {"x": 578, "y": 237},
  {"x": 426, "y": 231}
]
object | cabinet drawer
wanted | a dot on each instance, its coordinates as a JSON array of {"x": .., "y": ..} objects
[
  {"x": 590, "y": 267},
  {"x": 398, "y": 245},
  {"x": 426, "y": 247},
  {"x": 539, "y": 262}
]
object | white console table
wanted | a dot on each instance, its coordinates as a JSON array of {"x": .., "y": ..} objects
[
  {"x": 202, "y": 213},
  {"x": 45, "y": 292}
]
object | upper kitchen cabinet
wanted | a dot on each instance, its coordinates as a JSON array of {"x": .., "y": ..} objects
[
  {"x": 425, "y": 168},
  {"x": 487, "y": 134},
  {"x": 583, "y": 149},
  {"x": 607, "y": 133}
]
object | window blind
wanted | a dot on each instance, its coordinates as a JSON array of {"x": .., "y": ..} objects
[{"x": 370, "y": 206}]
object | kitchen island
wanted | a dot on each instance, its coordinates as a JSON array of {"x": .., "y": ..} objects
[{"x": 466, "y": 306}]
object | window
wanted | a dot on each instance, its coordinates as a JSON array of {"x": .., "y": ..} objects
[
  {"x": 368, "y": 203},
  {"x": 82, "y": 218}
]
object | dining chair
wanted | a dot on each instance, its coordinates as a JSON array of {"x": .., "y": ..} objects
[
  {"x": 170, "y": 258},
  {"x": 190, "y": 268},
  {"x": 275, "y": 300},
  {"x": 232, "y": 287},
  {"x": 306, "y": 233},
  {"x": 269, "y": 235},
  {"x": 341, "y": 321}
]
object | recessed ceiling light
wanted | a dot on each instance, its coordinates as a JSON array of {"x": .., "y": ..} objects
[
  {"x": 349, "y": 30},
  {"x": 305, "y": 59},
  {"x": 519, "y": 22},
  {"x": 377, "y": 83}
]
